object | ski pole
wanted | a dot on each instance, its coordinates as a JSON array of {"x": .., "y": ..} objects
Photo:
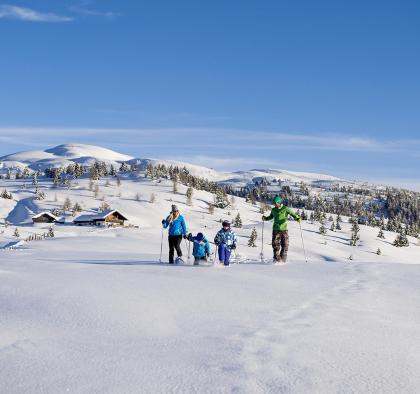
[
  {"x": 161, "y": 246},
  {"x": 262, "y": 242},
  {"x": 303, "y": 244},
  {"x": 215, "y": 255},
  {"x": 188, "y": 248}
]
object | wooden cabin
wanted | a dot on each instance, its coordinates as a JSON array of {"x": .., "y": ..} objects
[
  {"x": 45, "y": 217},
  {"x": 106, "y": 218}
]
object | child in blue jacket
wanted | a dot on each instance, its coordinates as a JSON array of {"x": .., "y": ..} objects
[
  {"x": 201, "y": 248},
  {"x": 226, "y": 241},
  {"x": 177, "y": 230}
]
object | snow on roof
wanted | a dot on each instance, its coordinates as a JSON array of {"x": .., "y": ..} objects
[
  {"x": 45, "y": 213},
  {"x": 99, "y": 216}
]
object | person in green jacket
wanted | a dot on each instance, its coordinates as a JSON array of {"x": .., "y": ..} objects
[{"x": 280, "y": 240}]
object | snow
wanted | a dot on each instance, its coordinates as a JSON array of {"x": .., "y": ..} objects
[
  {"x": 63, "y": 155},
  {"x": 92, "y": 311}
]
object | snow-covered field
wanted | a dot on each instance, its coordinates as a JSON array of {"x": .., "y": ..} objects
[{"x": 92, "y": 311}]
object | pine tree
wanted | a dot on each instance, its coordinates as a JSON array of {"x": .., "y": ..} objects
[
  {"x": 253, "y": 238},
  {"x": 220, "y": 199},
  {"x": 237, "y": 222},
  {"x": 50, "y": 232},
  {"x": 16, "y": 233},
  {"x": 338, "y": 226},
  {"x": 322, "y": 229},
  {"x": 401, "y": 240},
  {"x": 34, "y": 180},
  {"x": 381, "y": 234},
  {"x": 378, "y": 252},
  {"x": 124, "y": 167},
  {"x": 76, "y": 209},
  {"x": 6, "y": 195},
  {"x": 332, "y": 228},
  {"x": 338, "y": 219},
  {"x": 189, "y": 194},
  {"x": 104, "y": 207},
  {"x": 94, "y": 174},
  {"x": 67, "y": 205},
  {"x": 175, "y": 185},
  {"x": 330, "y": 218},
  {"x": 354, "y": 233}
]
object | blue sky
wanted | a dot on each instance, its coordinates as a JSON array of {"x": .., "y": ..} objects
[{"x": 323, "y": 86}]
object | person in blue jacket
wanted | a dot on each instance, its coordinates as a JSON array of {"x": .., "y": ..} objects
[
  {"x": 226, "y": 241},
  {"x": 177, "y": 230},
  {"x": 201, "y": 248}
]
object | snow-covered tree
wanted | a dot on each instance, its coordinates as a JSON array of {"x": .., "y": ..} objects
[
  {"x": 381, "y": 234},
  {"x": 354, "y": 233},
  {"x": 189, "y": 194},
  {"x": 76, "y": 208},
  {"x": 67, "y": 205},
  {"x": 322, "y": 229},
  {"x": 104, "y": 206},
  {"x": 16, "y": 233},
  {"x": 50, "y": 232},
  {"x": 253, "y": 238},
  {"x": 401, "y": 240},
  {"x": 237, "y": 222},
  {"x": 220, "y": 199},
  {"x": 332, "y": 228},
  {"x": 7, "y": 195},
  {"x": 338, "y": 225},
  {"x": 378, "y": 252},
  {"x": 124, "y": 167}
]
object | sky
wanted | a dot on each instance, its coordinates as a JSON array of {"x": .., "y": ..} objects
[{"x": 321, "y": 86}]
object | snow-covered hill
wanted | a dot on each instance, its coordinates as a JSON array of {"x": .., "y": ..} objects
[
  {"x": 92, "y": 310},
  {"x": 86, "y": 155}
]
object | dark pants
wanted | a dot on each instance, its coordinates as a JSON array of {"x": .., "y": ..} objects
[
  {"x": 174, "y": 243},
  {"x": 280, "y": 244},
  {"x": 224, "y": 254}
]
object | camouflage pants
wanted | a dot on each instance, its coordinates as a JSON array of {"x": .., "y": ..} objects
[{"x": 280, "y": 244}]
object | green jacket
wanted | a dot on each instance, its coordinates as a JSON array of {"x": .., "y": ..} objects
[{"x": 280, "y": 216}]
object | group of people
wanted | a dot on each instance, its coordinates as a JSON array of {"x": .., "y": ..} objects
[{"x": 225, "y": 239}]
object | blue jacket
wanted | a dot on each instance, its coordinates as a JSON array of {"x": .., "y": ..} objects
[
  {"x": 177, "y": 226},
  {"x": 226, "y": 237},
  {"x": 201, "y": 248}
]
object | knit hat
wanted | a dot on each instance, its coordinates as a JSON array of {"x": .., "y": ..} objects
[
  {"x": 199, "y": 237},
  {"x": 278, "y": 200},
  {"x": 226, "y": 223},
  {"x": 174, "y": 208}
]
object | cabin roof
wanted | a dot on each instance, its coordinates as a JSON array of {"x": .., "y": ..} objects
[
  {"x": 38, "y": 215},
  {"x": 99, "y": 216}
]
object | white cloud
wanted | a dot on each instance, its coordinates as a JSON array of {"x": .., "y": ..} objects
[
  {"x": 233, "y": 139},
  {"x": 30, "y": 15},
  {"x": 93, "y": 12}
]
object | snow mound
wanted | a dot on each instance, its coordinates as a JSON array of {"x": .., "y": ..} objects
[{"x": 73, "y": 151}]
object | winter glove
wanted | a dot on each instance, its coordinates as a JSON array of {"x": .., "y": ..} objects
[
  {"x": 163, "y": 221},
  {"x": 233, "y": 247},
  {"x": 217, "y": 243},
  {"x": 189, "y": 237},
  {"x": 184, "y": 236},
  {"x": 299, "y": 220}
]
